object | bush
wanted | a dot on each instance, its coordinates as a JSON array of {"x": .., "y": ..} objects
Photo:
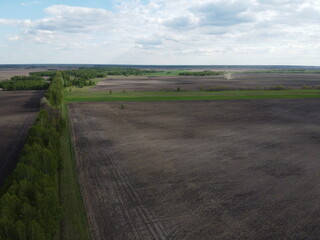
[{"x": 44, "y": 103}]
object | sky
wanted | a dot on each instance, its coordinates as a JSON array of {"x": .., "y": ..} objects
[{"x": 161, "y": 32}]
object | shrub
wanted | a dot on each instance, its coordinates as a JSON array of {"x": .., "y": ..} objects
[{"x": 44, "y": 103}]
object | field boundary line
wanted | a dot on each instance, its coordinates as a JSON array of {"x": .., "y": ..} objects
[{"x": 74, "y": 222}]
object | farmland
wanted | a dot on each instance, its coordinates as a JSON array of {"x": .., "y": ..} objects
[
  {"x": 8, "y": 72},
  {"x": 245, "y": 169},
  {"x": 160, "y": 120},
  {"x": 156, "y": 156},
  {"x": 195, "y": 83},
  {"x": 17, "y": 113},
  {"x": 158, "y": 162}
]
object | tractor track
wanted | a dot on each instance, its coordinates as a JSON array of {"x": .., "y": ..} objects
[
  {"x": 200, "y": 170},
  {"x": 131, "y": 220}
]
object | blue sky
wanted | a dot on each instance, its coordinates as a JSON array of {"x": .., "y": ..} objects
[
  {"x": 258, "y": 32},
  {"x": 18, "y": 9}
]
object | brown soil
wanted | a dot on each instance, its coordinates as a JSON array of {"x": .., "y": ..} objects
[
  {"x": 7, "y": 73},
  {"x": 240, "y": 80},
  {"x": 17, "y": 112},
  {"x": 200, "y": 170}
]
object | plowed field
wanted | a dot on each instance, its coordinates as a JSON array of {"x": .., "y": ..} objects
[
  {"x": 18, "y": 111},
  {"x": 194, "y": 83},
  {"x": 199, "y": 170}
]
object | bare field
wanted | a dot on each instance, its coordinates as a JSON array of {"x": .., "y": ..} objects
[
  {"x": 17, "y": 113},
  {"x": 199, "y": 170},
  {"x": 7, "y": 73},
  {"x": 239, "y": 80}
]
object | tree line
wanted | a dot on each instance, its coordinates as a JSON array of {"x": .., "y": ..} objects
[
  {"x": 84, "y": 76},
  {"x": 128, "y": 71},
  {"x": 24, "y": 83},
  {"x": 202, "y": 73},
  {"x": 29, "y": 201},
  {"x": 55, "y": 92},
  {"x": 79, "y": 78}
]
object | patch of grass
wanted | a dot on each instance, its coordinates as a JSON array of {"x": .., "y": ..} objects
[
  {"x": 74, "y": 224},
  {"x": 199, "y": 95}
]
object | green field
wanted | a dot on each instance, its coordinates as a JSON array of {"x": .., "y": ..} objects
[
  {"x": 74, "y": 222},
  {"x": 185, "y": 96}
]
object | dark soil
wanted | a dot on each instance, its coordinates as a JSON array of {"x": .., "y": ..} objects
[
  {"x": 195, "y": 83},
  {"x": 7, "y": 73},
  {"x": 18, "y": 112},
  {"x": 200, "y": 170}
]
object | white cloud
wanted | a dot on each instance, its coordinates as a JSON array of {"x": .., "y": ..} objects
[
  {"x": 63, "y": 18},
  {"x": 149, "y": 41},
  {"x": 16, "y": 22},
  {"x": 13, "y": 38},
  {"x": 223, "y": 13},
  {"x": 178, "y": 22},
  {"x": 204, "y": 31}
]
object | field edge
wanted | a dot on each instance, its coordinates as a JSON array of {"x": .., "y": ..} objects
[
  {"x": 74, "y": 223},
  {"x": 191, "y": 96}
]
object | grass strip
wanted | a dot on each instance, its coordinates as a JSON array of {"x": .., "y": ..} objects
[
  {"x": 192, "y": 96},
  {"x": 74, "y": 223}
]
